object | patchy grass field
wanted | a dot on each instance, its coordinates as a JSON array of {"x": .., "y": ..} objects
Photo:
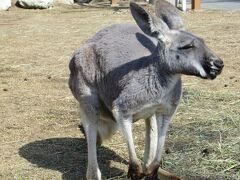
[{"x": 39, "y": 117}]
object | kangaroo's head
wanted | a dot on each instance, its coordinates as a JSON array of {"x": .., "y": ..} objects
[{"x": 185, "y": 53}]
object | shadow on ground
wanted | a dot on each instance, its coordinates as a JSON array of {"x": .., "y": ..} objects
[{"x": 69, "y": 156}]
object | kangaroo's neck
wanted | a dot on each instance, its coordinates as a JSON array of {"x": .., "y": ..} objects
[
  {"x": 160, "y": 67},
  {"x": 157, "y": 77},
  {"x": 160, "y": 55}
]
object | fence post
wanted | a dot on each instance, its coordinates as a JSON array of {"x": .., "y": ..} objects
[
  {"x": 114, "y": 2},
  {"x": 196, "y": 4}
]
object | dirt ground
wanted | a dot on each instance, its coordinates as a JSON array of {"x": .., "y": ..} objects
[{"x": 39, "y": 117}]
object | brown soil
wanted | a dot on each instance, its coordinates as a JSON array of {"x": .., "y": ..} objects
[{"x": 39, "y": 120}]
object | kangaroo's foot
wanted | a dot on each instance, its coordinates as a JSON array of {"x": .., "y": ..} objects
[
  {"x": 151, "y": 172},
  {"x": 165, "y": 175},
  {"x": 135, "y": 171}
]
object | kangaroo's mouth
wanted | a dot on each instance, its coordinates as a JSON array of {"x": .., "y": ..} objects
[{"x": 213, "y": 68}]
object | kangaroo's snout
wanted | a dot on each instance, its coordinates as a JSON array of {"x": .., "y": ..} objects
[
  {"x": 214, "y": 67},
  {"x": 218, "y": 63}
]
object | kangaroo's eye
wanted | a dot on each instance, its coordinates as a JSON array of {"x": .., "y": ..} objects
[{"x": 186, "y": 47}]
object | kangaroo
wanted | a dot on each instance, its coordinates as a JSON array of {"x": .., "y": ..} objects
[{"x": 127, "y": 72}]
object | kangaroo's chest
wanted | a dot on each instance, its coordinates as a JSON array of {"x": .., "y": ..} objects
[{"x": 163, "y": 105}]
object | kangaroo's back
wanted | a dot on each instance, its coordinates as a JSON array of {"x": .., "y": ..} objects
[{"x": 119, "y": 44}]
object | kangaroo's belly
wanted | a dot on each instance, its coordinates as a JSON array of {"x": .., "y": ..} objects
[{"x": 149, "y": 110}]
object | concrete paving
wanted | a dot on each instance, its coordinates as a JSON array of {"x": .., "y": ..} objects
[
  {"x": 221, "y": 4},
  {"x": 232, "y": 5}
]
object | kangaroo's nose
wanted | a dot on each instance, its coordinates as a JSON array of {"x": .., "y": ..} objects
[
  {"x": 215, "y": 67},
  {"x": 218, "y": 63}
]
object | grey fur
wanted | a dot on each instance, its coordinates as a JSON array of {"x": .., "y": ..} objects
[
  {"x": 169, "y": 14},
  {"x": 122, "y": 74}
]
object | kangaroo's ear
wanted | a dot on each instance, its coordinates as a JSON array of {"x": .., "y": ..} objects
[
  {"x": 150, "y": 25},
  {"x": 169, "y": 14}
]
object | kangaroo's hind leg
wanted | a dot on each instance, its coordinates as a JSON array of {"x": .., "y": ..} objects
[
  {"x": 158, "y": 125},
  {"x": 151, "y": 136},
  {"x": 89, "y": 114}
]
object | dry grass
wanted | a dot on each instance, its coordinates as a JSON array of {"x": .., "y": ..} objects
[{"x": 39, "y": 117}]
